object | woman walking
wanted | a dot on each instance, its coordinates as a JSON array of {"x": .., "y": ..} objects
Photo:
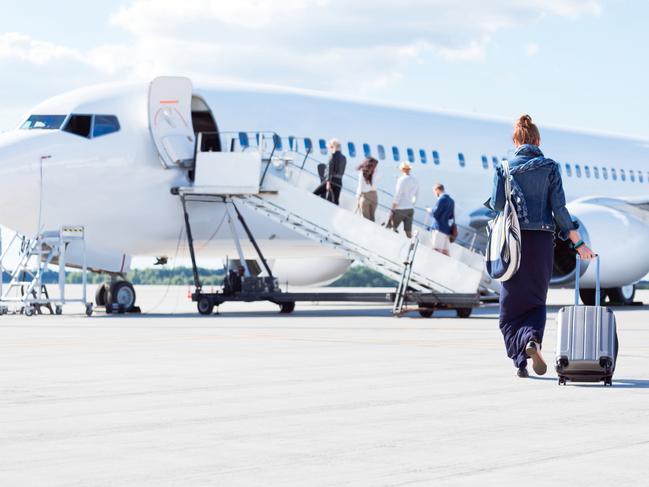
[
  {"x": 537, "y": 193},
  {"x": 366, "y": 190}
]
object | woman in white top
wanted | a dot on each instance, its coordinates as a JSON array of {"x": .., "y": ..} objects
[{"x": 366, "y": 190}]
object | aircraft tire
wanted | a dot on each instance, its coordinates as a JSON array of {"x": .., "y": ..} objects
[
  {"x": 122, "y": 293},
  {"x": 588, "y": 297},
  {"x": 621, "y": 295},
  {"x": 100, "y": 295}
]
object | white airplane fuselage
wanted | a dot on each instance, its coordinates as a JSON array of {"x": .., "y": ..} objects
[{"x": 116, "y": 186}]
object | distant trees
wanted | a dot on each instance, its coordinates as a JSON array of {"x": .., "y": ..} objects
[{"x": 356, "y": 276}]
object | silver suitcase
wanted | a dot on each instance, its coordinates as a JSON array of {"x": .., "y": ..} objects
[{"x": 586, "y": 339}]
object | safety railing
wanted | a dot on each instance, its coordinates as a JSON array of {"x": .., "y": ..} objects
[
  {"x": 272, "y": 145},
  {"x": 468, "y": 237}
]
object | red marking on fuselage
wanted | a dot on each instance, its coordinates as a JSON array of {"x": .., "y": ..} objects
[{"x": 168, "y": 102}]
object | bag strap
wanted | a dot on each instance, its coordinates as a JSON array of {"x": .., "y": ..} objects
[{"x": 508, "y": 183}]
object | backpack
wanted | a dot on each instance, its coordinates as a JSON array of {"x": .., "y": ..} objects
[{"x": 504, "y": 248}]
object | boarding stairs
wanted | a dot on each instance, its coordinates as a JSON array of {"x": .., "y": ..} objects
[
  {"x": 283, "y": 194},
  {"x": 26, "y": 288}
]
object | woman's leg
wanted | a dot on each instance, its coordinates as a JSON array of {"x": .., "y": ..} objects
[
  {"x": 372, "y": 203},
  {"x": 523, "y": 297}
]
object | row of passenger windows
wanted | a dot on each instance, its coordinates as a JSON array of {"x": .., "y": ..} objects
[
  {"x": 587, "y": 172},
  {"x": 595, "y": 172}
]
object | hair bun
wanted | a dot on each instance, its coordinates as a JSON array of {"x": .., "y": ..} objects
[{"x": 525, "y": 121}]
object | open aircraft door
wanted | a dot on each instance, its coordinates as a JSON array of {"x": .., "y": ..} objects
[{"x": 170, "y": 120}]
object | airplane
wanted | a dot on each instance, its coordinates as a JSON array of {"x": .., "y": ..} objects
[{"x": 107, "y": 156}]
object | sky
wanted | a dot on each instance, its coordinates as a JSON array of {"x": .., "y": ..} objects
[{"x": 573, "y": 63}]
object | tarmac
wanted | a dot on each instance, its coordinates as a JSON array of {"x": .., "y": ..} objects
[{"x": 331, "y": 395}]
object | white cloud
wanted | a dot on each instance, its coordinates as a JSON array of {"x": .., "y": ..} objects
[
  {"x": 532, "y": 49},
  {"x": 22, "y": 47},
  {"x": 326, "y": 44}
]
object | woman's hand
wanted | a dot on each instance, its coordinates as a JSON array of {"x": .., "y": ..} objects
[{"x": 585, "y": 252}]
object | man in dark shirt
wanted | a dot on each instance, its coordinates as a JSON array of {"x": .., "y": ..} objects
[
  {"x": 331, "y": 186},
  {"x": 443, "y": 214}
]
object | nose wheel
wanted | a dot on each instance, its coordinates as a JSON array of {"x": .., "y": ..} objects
[{"x": 117, "y": 296}]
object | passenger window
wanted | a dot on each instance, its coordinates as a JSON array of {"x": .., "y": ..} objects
[
  {"x": 395, "y": 153},
  {"x": 577, "y": 170},
  {"x": 323, "y": 146},
  {"x": 308, "y": 145},
  {"x": 292, "y": 143},
  {"x": 640, "y": 177},
  {"x": 381, "y": 151},
  {"x": 632, "y": 175},
  {"x": 559, "y": 167},
  {"x": 411, "y": 155},
  {"x": 622, "y": 175},
  {"x": 352, "y": 149},
  {"x": 436, "y": 158},
  {"x": 494, "y": 162},
  {"x": 587, "y": 171},
  {"x": 568, "y": 170},
  {"x": 613, "y": 174},
  {"x": 366, "y": 150},
  {"x": 461, "y": 160},
  {"x": 422, "y": 156},
  {"x": 104, "y": 125},
  {"x": 79, "y": 125},
  {"x": 277, "y": 142},
  {"x": 243, "y": 139},
  {"x": 605, "y": 173},
  {"x": 485, "y": 162},
  {"x": 596, "y": 172}
]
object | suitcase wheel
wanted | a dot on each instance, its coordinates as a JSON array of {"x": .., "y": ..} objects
[
  {"x": 562, "y": 381},
  {"x": 608, "y": 381}
]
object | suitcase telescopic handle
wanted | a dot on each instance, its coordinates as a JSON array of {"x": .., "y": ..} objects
[{"x": 578, "y": 275}]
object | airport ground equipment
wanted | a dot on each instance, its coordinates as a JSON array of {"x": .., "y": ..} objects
[
  {"x": 587, "y": 342},
  {"x": 276, "y": 188},
  {"x": 402, "y": 287},
  {"x": 26, "y": 291}
]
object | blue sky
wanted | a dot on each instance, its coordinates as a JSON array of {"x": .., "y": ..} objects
[{"x": 574, "y": 63}]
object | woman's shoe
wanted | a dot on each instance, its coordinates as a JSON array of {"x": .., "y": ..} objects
[
  {"x": 533, "y": 351},
  {"x": 522, "y": 372}
]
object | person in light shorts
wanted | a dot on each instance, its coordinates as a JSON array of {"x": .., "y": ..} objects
[
  {"x": 403, "y": 206},
  {"x": 443, "y": 215}
]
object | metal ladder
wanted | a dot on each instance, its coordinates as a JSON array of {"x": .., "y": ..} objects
[
  {"x": 404, "y": 282},
  {"x": 26, "y": 288},
  {"x": 324, "y": 236}
]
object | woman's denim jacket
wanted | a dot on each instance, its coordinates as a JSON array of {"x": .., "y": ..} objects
[{"x": 537, "y": 192}]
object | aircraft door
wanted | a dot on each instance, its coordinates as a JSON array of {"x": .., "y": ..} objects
[{"x": 170, "y": 120}]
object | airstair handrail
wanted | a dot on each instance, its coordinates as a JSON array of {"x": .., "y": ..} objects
[
  {"x": 234, "y": 141},
  {"x": 475, "y": 236}
]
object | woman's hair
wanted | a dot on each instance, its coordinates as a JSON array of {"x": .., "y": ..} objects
[
  {"x": 526, "y": 132},
  {"x": 367, "y": 167}
]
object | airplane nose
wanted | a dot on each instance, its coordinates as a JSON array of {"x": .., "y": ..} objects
[{"x": 22, "y": 155}]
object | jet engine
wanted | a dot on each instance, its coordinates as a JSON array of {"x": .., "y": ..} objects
[{"x": 620, "y": 238}]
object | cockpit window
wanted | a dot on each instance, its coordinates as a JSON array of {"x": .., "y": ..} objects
[
  {"x": 79, "y": 125},
  {"x": 105, "y": 124},
  {"x": 43, "y": 122}
]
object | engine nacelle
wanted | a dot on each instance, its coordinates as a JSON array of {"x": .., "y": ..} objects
[
  {"x": 621, "y": 240},
  {"x": 309, "y": 271}
]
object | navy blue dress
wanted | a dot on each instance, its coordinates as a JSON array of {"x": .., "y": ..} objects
[{"x": 522, "y": 298}]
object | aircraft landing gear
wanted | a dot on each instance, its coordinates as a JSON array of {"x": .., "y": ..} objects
[
  {"x": 117, "y": 296},
  {"x": 621, "y": 296}
]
